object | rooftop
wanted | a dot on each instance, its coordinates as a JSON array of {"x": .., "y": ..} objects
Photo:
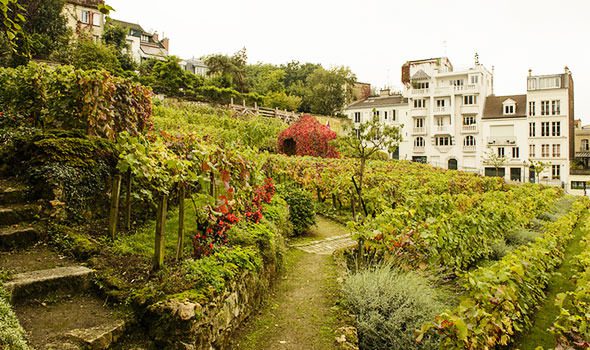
[
  {"x": 494, "y": 107},
  {"x": 379, "y": 101}
]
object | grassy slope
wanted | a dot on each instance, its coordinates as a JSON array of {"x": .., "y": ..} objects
[{"x": 561, "y": 282}]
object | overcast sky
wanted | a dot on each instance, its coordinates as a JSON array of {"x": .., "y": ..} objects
[{"x": 375, "y": 37}]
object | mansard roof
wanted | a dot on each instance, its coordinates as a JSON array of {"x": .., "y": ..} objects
[
  {"x": 420, "y": 75},
  {"x": 494, "y": 106},
  {"x": 379, "y": 101}
]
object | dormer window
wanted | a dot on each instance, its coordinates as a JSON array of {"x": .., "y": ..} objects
[
  {"x": 145, "y": 38},
  {"x": 509, "y": 107}
]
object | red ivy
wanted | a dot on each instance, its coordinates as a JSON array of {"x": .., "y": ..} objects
[
  {"x": 311, "y": 138},
  {"x": 210, "y": 236}
]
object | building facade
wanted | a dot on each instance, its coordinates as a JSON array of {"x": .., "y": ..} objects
[
  {"x": 84, "y": 18},
  {"x": 143, "y": 45},
  {"x": 195, "y": 66},
  {"x": 453, "y": 120},
  {"x": 580, "y": 168}
]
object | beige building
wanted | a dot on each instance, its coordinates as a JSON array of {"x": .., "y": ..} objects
[
  {"x": 580, "y": 168},
  {"x": 84, "y": 18}
]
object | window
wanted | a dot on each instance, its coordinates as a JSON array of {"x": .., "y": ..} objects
[
  {"x": 500, "y": 151},
  {"x": 145, "y": 38},
  {"x": 509, "y": 109},
  {"x": 440, "y": 103},
  {"x": 96, "y": 19},
  {"x": 545, "y": 129},
  {"x": 549, "y": 83},
  {"x": 385, "y": 115},
  {"x": 555, "y": 171},
  {"x": 469, "y": 120},
  {"x": 357, "y": 117},
  {"x": 474, "y": 79},
  {"x": 440, "y": 122},
  {"x": 358, "y": 133},
  {"x": 578, "y": 185},
  {"x": 443, "y": 141},
  {"x": 85, "y": 17},
  {"x": 421, "y": 85},
  {"x": 531, "y": 129},
  {"x": 532, "y": 84},
  {"x": 556, "y": 128},
  {"x": 532, "y": 109},
  {"x": 555, "y": 109},
  {"x": 556, "y": 150},
  {"x": 531, "y": 151},
  {"x": 469, "y": 141},
  {"x": 419, "y": 142},
  {"x": 545, "y": 151},
  {"x": 419, "y": 122},
  {"x": 469, "y": 100},
  {"x": 515, "y": 152},
  {"x": 376, "y": 114},
  {"x": 544, "y": 107},
  {"x": 393, "y": 115},
  {"x": 458, "y": 82},
  {"x": 420, "y": 103},
  {"x": 585, "y": 145}
]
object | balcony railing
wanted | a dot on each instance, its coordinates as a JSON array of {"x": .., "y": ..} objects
[
  {"x": 418, "y": 149},
  {"x": 501, "y": 140},
  {"x": 442, "y": 129},
  {"x": 419, "y": 112},
  {"x": 468, "y": 87},
  {"x": 469, "y": 148},
  {"x": 441, "y": 110},
  {"x": 419, "y": 131},
  {"x": 469, "y": 128},
  {"x": 417, "y": 92}
]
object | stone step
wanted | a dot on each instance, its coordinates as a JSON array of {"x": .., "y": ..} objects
[
  {"x": 18, "y": 236},
  {"x": 13, "y": 214},
  {"x": 29, "y": 285},
  {"x": 12, "y": 192},
  {"x": 72, "y": 322}
]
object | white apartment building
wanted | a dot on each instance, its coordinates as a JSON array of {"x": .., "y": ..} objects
[
  {"x": 580, "y": 169},
  {"x": 454, "y": 121}
]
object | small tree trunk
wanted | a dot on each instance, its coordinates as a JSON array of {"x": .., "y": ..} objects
[
  {"x": 114, "y": 212},
  {"x": 180, "y": 242},
  {"x": 160, "y": 233},
  {"x": 212, "y": 184},
  {"x": 128, "y": 202}
]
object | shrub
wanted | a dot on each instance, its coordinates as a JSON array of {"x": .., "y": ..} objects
[
  {"x": 521, "y": 236},
  {"x": 307, "y": 137},
  {"x": 12, "y": 335},
  {"x": 301, "y": 207},
  {"x": 390, "y": 306}
]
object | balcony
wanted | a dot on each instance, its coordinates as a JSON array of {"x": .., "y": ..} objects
[
  {"x": 419, "y": 131},
  {"x": 469, "y": 149},
  {"x": 445, "y": 91},
  {"x": 502, "y": 140},
  {"x": 469, "y": 109},
  {"x": 442, "y": 110},
  {"x": 443, "y": 149},
  {"x": 419, "y": 149},
  {"x": 418, "y": 112},
  {"x": 579, "y": 171},
  {"x": 442, "y": 129},
  {"x": 469, "y": 128},
  {"x": 465, "y": 88},
  {"x": 420, "y": 92}
]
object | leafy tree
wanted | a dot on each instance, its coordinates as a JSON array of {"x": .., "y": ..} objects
[
  {"x": 88, "y": 54},
  {"x": 116, "y": 36},
  {"x": 228, "y": 71},
  {"x": 538, "y": 166},
  {"x": 297, "y": 72},
  {"x": 265, "y": 78},
  {"x": 282, "y": 101},
  {"x": 167, "y": 77},
  {"x": 366, "y": 140},
  {"x": 11, "y": 21},
  {"x": 495, "y": 160},
  {"x": 329, "y": 89}
]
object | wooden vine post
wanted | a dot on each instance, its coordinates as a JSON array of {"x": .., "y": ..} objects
[
  {"x": 180, "y": 242},
  {"x": 358, "y": 191},
  {"x": 128, "y": 202},
  {"x": 114, "y": 212},
  {"x": 160, "y": 234},
  {"x": 212, "y": 184},
  {"x": 352, "y": 207}
]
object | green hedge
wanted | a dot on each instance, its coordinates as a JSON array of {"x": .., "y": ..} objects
[
  {"x": 12, "y": 335},
  {"x": 573, "y": 323},
  {"x": 66, "y": 98},
  {"x": 501, "y": 298}
]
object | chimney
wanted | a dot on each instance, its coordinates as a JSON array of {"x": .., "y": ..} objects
[
  {"x": 384, "y": 92},
  {"x": 530, "y": 72},
  {"x": 155, "y": 37},
  {"x": 567, "y": 70},
  {"x": 166, "y": 43}
]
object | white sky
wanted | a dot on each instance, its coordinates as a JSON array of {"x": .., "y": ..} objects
[{"x": 375, "y": 37}]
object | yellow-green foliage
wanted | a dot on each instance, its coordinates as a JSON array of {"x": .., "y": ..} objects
[{"x": 12, "y": 335}]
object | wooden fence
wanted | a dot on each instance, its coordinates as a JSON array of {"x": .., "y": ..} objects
[{"x": 286, "y": 116}]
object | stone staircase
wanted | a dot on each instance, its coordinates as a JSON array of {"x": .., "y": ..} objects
[{"x": 53, "y": 296}]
